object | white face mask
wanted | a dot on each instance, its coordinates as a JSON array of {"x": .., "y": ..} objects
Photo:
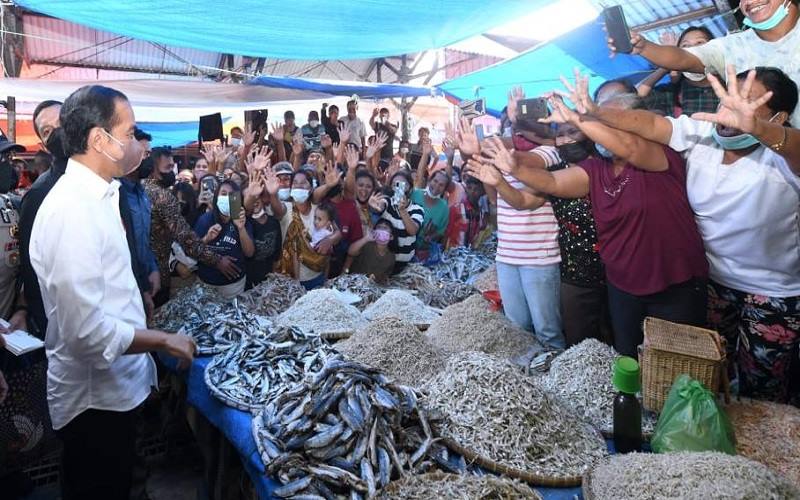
[
  {"x": 260, "y": 213},
  {"x": 236, "y": 142},
  {"x": 313, "y": 123},
  {"x": 695, "y": 77},
  {"x": 403, "y": 150}
]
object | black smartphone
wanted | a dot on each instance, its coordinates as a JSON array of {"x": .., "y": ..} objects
[
  {"x": 532, "y": 109},
  {"x": 211, "y": 128},
  {"x": 617, "y": 28},
  {"x": 235, "y": 199}
]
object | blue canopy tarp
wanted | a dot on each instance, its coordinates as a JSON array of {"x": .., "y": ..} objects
[
  {"x": 172, "y": 133},
  {"x": 538, "y": 70},
  {"x": 299, "y": 29},
  {"x": 343, "y": 88}
]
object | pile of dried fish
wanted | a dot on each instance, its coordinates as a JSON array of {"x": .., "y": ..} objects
[
  {"x": 217, "y": 327},
  {"x": 259, "y": 369},
  {"x": 690, "y": 475},
  {"x": 492, "y": 409},
  {"x": 443, "y": 486},
  {"x": 346, "y": 430},
  {"x": 461, "y": 264},
  {"x": 403, "y": 305},
  {"x": 580, "y": 378},
  {"x": 397, "y": 347},
  {"x": 320, "y": 311},
  {"x": 359, "y": 284},
  {"x": 448, "y": 293},
  {"x": 471, "y": 326},
  {"x": 272, "y": 296},
  {"x": 198, "y": 300},
  {"x": 489, "y": 246},
  {"x": 415, "y": 277},
  {"x": 487, "y": 280},
  {"x": 768, "y": 433}
]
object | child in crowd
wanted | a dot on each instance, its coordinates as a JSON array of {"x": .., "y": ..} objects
[
  {"x": 371, "y": 254},
  {"x": 323, "y": 224}
]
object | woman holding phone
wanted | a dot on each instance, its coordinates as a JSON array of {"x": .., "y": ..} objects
[{"x": 227, "y": 234}]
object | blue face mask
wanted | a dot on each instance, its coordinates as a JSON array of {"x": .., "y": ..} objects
[
  {"x": 299, "y": 195},
  {"x": 284, "y": 194},
  {"x": 734, "y": 143},
  {"x": 603, "y": 151},
  {"x": 774, "y": 20},
  {"x": 224, "y": 205}
]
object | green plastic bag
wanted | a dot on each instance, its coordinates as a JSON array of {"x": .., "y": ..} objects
[{"x": 692, "y": 421}]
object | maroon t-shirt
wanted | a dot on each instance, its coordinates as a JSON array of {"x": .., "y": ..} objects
[
  {"x": 348, "y": 219},
  {"x": 646, "y": 233}
]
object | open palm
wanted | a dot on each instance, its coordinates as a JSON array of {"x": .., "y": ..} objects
[{"x": 737, "y": 109}]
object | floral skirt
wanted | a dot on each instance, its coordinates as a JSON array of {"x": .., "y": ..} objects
[{"x": 763, "y": 335}]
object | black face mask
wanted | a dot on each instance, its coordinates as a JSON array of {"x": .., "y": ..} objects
[
  {"x": 574, "y": 152},
  {"x": 145, "y": 168},
  {"x": 167, "y": 179},
  {"x": 55, "y": 144}
]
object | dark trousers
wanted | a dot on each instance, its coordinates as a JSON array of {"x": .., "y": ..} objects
[
  {"x": 98, "y": 455},
  {"x": 161, "y": 297},
  {"x": 682, "y": 303},
  {"x": 584, "y": 313}
]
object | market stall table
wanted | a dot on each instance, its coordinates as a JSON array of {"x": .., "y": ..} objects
[{"x": 235, "y": 425}]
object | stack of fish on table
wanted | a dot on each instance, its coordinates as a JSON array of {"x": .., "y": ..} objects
[
  {"x": 347, "y": 430},
  {"x": 272, "y": 296}
]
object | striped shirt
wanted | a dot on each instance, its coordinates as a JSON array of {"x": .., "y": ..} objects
[
  {"x": 405, "y": 241},
  {"x": 528, "y": 237}
]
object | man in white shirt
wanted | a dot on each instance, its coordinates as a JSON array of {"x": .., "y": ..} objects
[
  {"x": 97, "y": 341},
  {"x": 358, "y": 131}
]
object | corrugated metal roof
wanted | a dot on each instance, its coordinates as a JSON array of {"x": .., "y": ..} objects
[
  {"x": 644, "y": 12},
  {"x": 53, "y": 40}
]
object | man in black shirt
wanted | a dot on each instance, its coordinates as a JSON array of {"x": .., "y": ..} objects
[
  {"x": 330, "y": 118},
  {"x": 382, "y": 124}
]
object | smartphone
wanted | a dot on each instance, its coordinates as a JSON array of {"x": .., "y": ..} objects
[
  {"x": 532, "y": 109},
  {"x": 617, "y": 28},
  {"x": 211, "y": 127},
  {"x": 473, "y": 108},
  {"x": 235, "y": 198}
]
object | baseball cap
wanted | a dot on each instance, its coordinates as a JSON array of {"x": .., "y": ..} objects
[
  {"x": 283, "y": 168},
  {"x": 8, "y": 146}
]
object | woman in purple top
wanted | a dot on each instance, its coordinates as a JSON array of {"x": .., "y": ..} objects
[{"x": 647, "y": 236}]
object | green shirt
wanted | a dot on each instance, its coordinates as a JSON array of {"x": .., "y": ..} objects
[{"x": 436, "y": 217}]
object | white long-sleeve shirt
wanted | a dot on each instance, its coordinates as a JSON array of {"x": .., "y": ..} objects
[{"x": 80, "y": 254}]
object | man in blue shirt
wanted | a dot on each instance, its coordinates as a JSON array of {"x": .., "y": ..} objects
[{"x": 137, "y": 221}]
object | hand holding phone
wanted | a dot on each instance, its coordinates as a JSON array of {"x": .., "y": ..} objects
[
  {"x": 235, "y": 198},
  {"x": 617, "y": 29}
]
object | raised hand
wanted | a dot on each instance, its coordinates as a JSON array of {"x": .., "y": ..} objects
[
  {"x": 484, "y": 172},
  {"x": 737, "y": 107},
  {"x": 668, "y": 38},
  {"x": 561, "y": 112},
  {"x": 467, "y": 138},
  {"x": 254, "y": 186},
  {"x": 579, "y": 93},
  {"x": 277, "y": 132},
  {"x": 269, "y": 179},
  {"x": 380, "y": 141},
  {"x": 515, "y": 95},
  {"x": 637, "y": 41},
  {"x": 249, "y": 135},
  {"x": 344, "y": 133},
  {"x": 332, "y": 176},
  {"x": 499, "y": 156},
  {"x": 378, "y": 201},
  {"x": 298, "y": 146},
  {"x": 258, "y": 159},
  {"x": 351, "y": 157}
]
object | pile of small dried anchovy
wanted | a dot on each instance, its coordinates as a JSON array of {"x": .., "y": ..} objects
[
  {"x": 441, "y": 486},
  {"x": 430, "y": 289},
  {"x": 580, "y": 378},
  {"x": 689, "y": 475},
  {"x": 320, "y": 311},
  {"x": 345, "y": 430},
  {"x": 494, "y": 410},
  {"x": 448, "y": 293},
  {"x": 397, "y": 347},
  {"x": 258, "y": 369},
  {"x": 403, "y": 305},
  {"x": 471, "y": 326},
  {"x": 272, "y": 296},
  {"x": 768, "y": 433},
  {"x": 217, "y": 327},
  {"x": 487, "y": 280},
  {"x": 189, "y": 304},
  {"x": 461, "y": 264},
  {"x": 359, "y": 284}
]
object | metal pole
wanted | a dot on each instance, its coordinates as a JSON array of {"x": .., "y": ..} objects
[
  {"x": 11, "y": 108},
  {"x": 403, "y": 78}
]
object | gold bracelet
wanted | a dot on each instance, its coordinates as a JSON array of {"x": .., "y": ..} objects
[{"x": 778, "y": 146}]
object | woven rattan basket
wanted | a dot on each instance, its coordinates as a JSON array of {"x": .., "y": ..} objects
[{"x": 671, "y": 349}]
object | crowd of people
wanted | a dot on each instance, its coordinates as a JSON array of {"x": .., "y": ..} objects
[{"x": 679, "y": 201}]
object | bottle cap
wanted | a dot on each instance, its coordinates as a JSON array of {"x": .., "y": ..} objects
[{"x": 626, "y": 375}]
